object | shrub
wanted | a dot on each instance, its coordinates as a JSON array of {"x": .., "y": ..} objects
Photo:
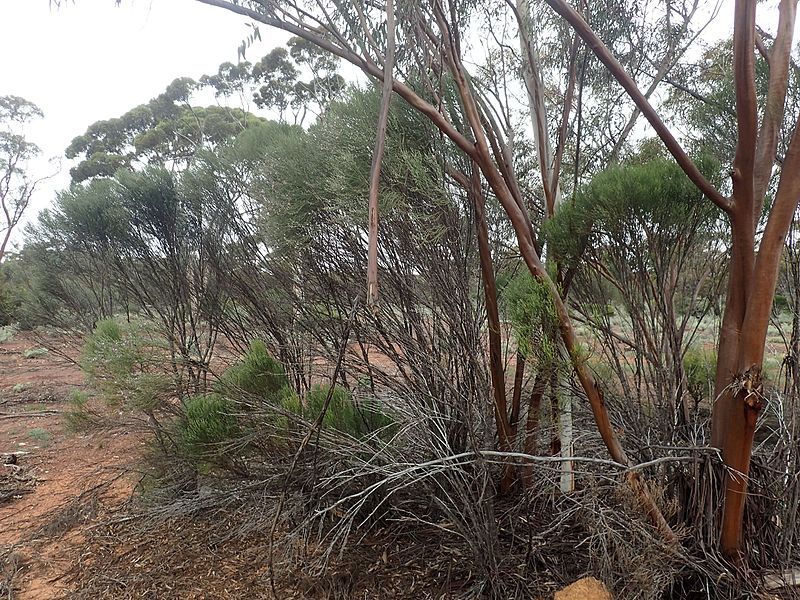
[
  {"x": 700, "y": 368},
  {"x": 532, "y": 313},
  {"x": 148, "y": 390},
  {"x": 289, "y": 400},
  {"x": 126, "y": 361},
  {"x": 40, "y": 435},
  {"x": 35, "y": 352},
  {"x": 780, "y": 303},
  {"x": 343, "y": 414},
  {"x": 78, "y": 417},
  {"x": 7, "y": 333},
  {"x": 208, "y": 425},
  {"x": 256, "y": 375}
]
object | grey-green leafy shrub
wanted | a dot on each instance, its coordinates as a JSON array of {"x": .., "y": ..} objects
[{"x": 128, "y": 362}]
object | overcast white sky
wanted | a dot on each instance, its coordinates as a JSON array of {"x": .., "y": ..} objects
[{"x": 90, "y": 60}]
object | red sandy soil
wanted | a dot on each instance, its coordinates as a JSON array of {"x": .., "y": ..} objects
[{"x": 65, "y": 478}]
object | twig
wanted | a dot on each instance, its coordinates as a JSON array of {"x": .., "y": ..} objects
[{"x": 39, "y": 413}]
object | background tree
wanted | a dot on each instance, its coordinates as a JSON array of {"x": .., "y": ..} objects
[
  {"x": 16, "y": 187},
  {"x": 167, "y": 131}
]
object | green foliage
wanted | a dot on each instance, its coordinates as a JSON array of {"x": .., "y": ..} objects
[
  {"x": 125, "y": 361},
  {"x": 533, "y": 317},
  {"x": 16, "y": 187},
  {"x": 257, "y": 374},
  {"x": 780, "y": 303},
  {"x": 342, "y": 414},
  {"x": 40, "y": 435},
  {"x": 289, "y": 400},
  {"x": 625, "y": 203},
  {"x": 166, "y": 130},
  {"x": 64, "y": 275},
  {"x": 78, "y": 417},
  {"x": 148, "y": 390},
  {"x": 278, "y": 78},
  {"x": 208, "y": 425},
  {"x": 35, "y": 352},
  {"x": 700, "y": 367},
  {"x": 709, "y": 115},
  {"x": 7, "y": 333},
  {"x": 313, "y": 183}
]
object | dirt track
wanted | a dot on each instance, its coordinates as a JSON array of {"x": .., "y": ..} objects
[{"x": 61, "y": 480}]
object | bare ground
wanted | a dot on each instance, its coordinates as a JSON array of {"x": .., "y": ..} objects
[{"x": 51, "y": 480}]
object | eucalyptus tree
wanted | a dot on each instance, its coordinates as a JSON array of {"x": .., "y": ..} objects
[
  {"x": 303, "y": 79},
  {"x": 166, "y": 131},
  {"x": 16, "y": 186}
]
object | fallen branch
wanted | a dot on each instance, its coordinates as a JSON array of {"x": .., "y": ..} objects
[{"x": 39, "y": 413}]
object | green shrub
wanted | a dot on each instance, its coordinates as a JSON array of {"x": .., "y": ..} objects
[
  {"x": 126, "y": 362},
  {"x": 40, "y": 435},
  {"x": 343, "y": 414},
  {"x": 148, "y": 390},
  {"x": 780, "y": 303},
  {"x": 533, "y": 318},
  {"x": 78, "y": 417},
  {"x": 7, "y": 333},
  {"x": 208, "y": 425},
  {"x": 257, "y": 375},
  {"x": 700, "y": 368},
  {"x": 289, "y": 400},
  {"x": 35, "y": 352}
]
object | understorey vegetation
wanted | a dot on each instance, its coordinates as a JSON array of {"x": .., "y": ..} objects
[{"x": 506, "y": 327}]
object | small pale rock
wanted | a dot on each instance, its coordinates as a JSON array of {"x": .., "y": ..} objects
[{"x": 587, "y": 588}]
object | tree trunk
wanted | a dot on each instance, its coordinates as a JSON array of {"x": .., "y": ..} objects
[{"x": 493, "y": 317}]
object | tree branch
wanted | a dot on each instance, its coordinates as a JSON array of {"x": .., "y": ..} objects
[
  {"x": 779, "y": 58},
  {"x": 582, "y": 28},
  {"x": 377, "y": 158}
]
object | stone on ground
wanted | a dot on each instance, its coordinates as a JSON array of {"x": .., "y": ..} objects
[{"x": 587, "y": 588}]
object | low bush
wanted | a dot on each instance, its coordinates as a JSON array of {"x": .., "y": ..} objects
[
  {"x": 78, "y": 416},
  {"x": 35, "y": 352},
  {"x": 7, "y": 333},
  {"x": 343, "y": 413},
  {"x": 700, "y": 368},
  {"x": 256, "y": 375},
  {"x": 128, "y": 362},
  {"x": 208, "y": 425}
]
